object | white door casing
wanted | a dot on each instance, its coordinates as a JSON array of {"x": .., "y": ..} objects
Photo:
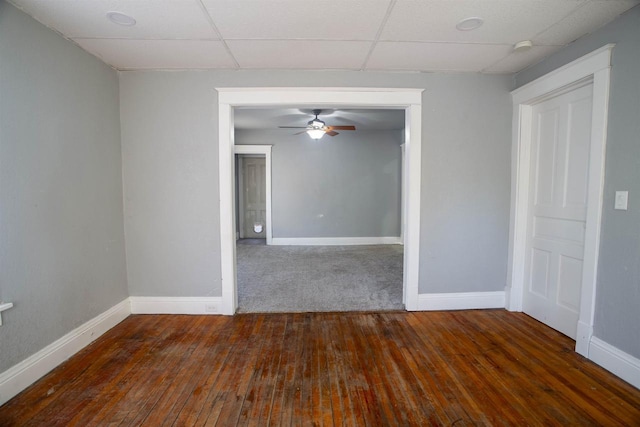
[
  {"x": 594, "y": 67},
  {"x": 560, "y": 145},
  {"x": 408, "y": 99},
  {"x": 403, "y": 210}
]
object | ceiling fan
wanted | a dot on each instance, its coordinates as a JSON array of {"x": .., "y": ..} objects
[{"x": 316, "y": 128}]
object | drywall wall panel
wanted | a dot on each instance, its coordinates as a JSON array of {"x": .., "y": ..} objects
[
  {"x": 62, "y": 256},
  {"x": 342, "y": 186},
  {"x": 170, "y": 158}
]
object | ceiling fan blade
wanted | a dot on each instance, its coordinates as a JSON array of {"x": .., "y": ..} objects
[
  {"x": 341, "y": 127},
  {"x": 300, "y": 133},
  {"x": 331, "y": 133},
  {"x": 292, "y": 127}
]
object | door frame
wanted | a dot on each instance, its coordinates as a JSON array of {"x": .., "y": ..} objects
[
  {"x": 410, "y": 100},
  {"x": 403, "y": 178},
  {"x": 403, "y": 209},
  {"x": 266, "y": 151},
  {"x": 594, "y": 67}
]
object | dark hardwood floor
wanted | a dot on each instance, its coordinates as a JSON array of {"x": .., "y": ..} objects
[{"x": 486, "y": 367}]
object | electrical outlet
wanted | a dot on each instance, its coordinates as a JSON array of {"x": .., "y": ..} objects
[{"x": 210, "y": 308}]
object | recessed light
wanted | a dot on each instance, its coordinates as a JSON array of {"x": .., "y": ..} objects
[
  {"x": 469, "y": 24},
  {"x": 121, "y": 19}
]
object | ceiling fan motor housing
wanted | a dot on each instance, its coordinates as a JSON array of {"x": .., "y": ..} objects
[{"x": 316, "y": 123}]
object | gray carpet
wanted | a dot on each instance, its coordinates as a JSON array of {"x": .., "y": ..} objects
[{"x": 319, "y": 278}]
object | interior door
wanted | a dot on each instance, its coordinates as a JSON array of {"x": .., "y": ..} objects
[
  {"x": 561, "y": 141},
  {"x": 254, "y": 197}
]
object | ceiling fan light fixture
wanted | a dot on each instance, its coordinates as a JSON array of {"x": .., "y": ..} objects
[{"x": 315, "y": 133}]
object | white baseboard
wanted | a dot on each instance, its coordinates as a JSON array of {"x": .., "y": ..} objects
[
  {"x": 25, "y": 373},
  {"x": 176, "y": 305},
  {"x": 335, "y": 241},
  {"x": 615, "y": 361},
  {"x": 461, "y": 301}
]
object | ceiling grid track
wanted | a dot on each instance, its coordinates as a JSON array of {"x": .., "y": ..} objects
[
  {"x": 378, "y": 33},
  {"x": 215, "y": 30}
]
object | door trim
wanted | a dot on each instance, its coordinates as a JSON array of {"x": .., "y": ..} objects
[
  {"x": 594, "y": 67},
  {"x": 240, "y": 199},
  {"x": 266, "y": 151},
  {"x": 409, "y": 100}
]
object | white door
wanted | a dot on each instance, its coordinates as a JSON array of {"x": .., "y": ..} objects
[
  {"x": 561, "y": 141},
  {"x": 254, "y": 199}
]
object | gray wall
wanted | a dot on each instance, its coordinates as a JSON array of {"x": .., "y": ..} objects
[
  {"x": 61, "y": 230},
  {"x": 618, "y": 286},
  {"x": 169, "y": 142},
  {"x": 342, "y": 186}
]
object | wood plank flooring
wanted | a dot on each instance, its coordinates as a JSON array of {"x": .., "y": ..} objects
[{"x": 488, "y": 367}]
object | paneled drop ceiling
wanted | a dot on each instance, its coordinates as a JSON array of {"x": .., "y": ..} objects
[{"x": 389, "y": 35}]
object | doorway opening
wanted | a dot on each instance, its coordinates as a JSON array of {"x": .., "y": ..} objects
[
  {"x": 336, "y": 211},
  {"x": 252, "y": 202},
  {"x": 251, "y": 197},
  {"x": 407, "y": 99}
]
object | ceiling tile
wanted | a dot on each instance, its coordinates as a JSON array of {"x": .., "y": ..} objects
[
  {"x": 505, "y": 21},
  {"x": 298, "y": 19},
  {"x": 435, "y": 56},
  {"x": 301, "y": 54},
  {"x": 517, "y": 61},
  {"x": 591, "y": 16},
  {"x": 160, "y": 54},
  {"x": 162, "y": 19}
]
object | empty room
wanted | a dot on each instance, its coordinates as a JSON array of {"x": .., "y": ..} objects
[
  {"x": 387, "y": 212},
  {"x": 332, "y": 240}
]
